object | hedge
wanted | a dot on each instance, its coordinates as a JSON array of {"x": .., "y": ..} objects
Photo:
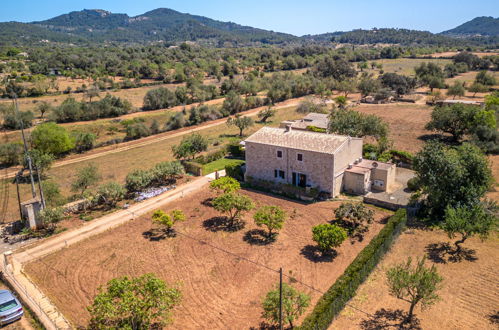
[{"x": 345, "y": 287}]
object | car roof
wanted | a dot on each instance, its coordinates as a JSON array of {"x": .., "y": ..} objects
[{"x": 5, "y": 296}]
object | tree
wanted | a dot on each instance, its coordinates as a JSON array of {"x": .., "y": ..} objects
[
  {"x": 357, "y": 214},
  {"x": 40, "y": 161},
  {"x": 346, "y": 86},
  {"x": 353, "y": 123},
  {"x": 233, "y": 103},
  {"x": 294, "y": 304},
  {"x": 457, "y": 89},
  {"x": 190, "y": 146},
  {"x": 167, "y": 172},
  {"x": 133, "y": 303},
  {"x": 225, "y": 184},
  {"x": 234, "y": 205},
  {"x": 83, "y": 141},
  {"x": 14, "y": 120},
  {"x": 337, "y": 68},
  {"x": 160, "y": 98},
  {"x": 85, "y": 178},
  {"x": 266, "y": 114},
  {"x": 43, "y": 107},
  {"x": 460, "y": 119},
  {"x": 399, "y": 84},
  {"x": 241, "y": 122},
  {"x": 485, "y": 79},
  {"x": 167, "y": 221},
  {"x": 51, "y": 216},
  {"x": 368, "y": 86},
  {"x": 272, "y": 217},
  {"x": 110, "y": 193},
  {"x": 138, "y": 180},
  {"x": 468, "y": 221},
  {"x": 11, "y": 153},
  {"x": 52, "y": 139},
  {"x": 414, "y": 284},
  {"x": 477, "y": 87},
  {"x": 467, "y": 176},
  {"x": 92, "y": 92},
  {"x": 430, "y": 74},
  {"x": 52, "y": 194},
  {"x": 328, "y": 236}
]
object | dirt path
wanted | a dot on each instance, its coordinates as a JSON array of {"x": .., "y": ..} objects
[{"x": 152, "y": 139}]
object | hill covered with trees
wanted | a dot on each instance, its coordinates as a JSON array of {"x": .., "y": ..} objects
[
  {"x": 483, "y": 26},
  {"x": 159, "y": 25}
]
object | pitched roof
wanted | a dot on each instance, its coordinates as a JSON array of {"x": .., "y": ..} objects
[{"x": 297, "y": 139}]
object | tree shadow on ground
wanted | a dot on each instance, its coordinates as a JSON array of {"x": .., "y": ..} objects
[
  {"x": 265, "y": 326},
  {"x": 494, "y": 317},
  {"x": 216, "y": 224},
  {"x": 443, "y": 253},
  {"x": 156, "y": 235},
  {"x": 258, "y": 237},
  {"x": 387, "y": 318},
  {"x": 437, "y": 137},
  {"x": 207, "y": 202},
  {"x": 312, "y": 253}
]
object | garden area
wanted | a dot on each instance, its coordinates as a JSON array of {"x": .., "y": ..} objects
[{"x": 222, "y": 262}]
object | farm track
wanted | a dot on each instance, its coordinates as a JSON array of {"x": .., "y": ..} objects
[{"x": 154, "y": 139}]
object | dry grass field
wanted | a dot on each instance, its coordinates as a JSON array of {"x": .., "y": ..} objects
[
  {"x": 115, "y": 166},
  {"x": 405, "y": 66},
  {"x": 469, "y": 294},
  {"x": 220, "y": 290}
]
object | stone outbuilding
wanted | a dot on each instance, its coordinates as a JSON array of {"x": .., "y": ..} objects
[
  {"x": 313, "y": 119},
  {"x": 326, "y": 162}
]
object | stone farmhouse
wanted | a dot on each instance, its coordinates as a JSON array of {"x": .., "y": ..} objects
[
  {"x": 327, "y": 162},
  {"x": 317, "y": 120}
]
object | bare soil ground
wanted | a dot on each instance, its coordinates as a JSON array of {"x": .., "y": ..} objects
[
  {"x": 450, "y": 54},
  {"x": 406, "y": 122},
  {"x": 469, "y": 294},
  {"x": 223, "y": 275}
]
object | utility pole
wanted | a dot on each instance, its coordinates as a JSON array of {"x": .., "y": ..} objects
[
  {"x": 280, "y": 298},
  {"x": 28, "y": 157}
]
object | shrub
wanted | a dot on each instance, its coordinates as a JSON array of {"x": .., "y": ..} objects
[
  {"x": 328, "y": 236},
  {"x": 414, "y": 184},
  {"x": 333, "y": 301},
  {"x": 234, "y": 171},
  {"x": 272, "y": 217},
  {"x": 83, "y": 141},
  {"x": 14, "y": 121},
  {"x": 110, "y": 193},
  {"x": 51, "y": 216},
  {"x": 52, "y": 139},
  {"x": 11, "y": 154},
  {"x": 138, "y": 180},
  {"x": 137, "y": 131},
  {"x": 167, "y": 172}
]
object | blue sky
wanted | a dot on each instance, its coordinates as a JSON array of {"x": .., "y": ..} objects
[{"x": 292, "y": 16}]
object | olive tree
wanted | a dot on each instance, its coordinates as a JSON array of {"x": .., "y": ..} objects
[
  {"x": 467, "y": 222},
  {"x": 415, "y": 285},
  {"x": 110, "y": 193},
  {"x": 356, "y": 214},
  {"x": 265, "y": 114},
  {"x": 86, "y": 177},
  {"x": 133, "y": 303},
  {"x": 294, "y": 304},
  {"x": 190, "y": 146},
  {"x": 241, "y": 122}
]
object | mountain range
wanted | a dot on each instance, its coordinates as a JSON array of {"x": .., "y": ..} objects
[{"x": 170, "y": 26}]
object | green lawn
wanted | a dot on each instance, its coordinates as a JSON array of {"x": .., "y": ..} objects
[{"x": 220, "y": 164}]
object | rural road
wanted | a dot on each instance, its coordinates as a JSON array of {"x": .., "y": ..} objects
[
  {"x": 39, "y": 303},
  {"x": 154, "y": 139}
]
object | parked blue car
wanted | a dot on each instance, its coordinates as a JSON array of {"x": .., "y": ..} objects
[{"x": 10, "y": 308}]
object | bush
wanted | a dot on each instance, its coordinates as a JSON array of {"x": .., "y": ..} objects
[
  {"x": 83, "y": 141},
  {"x": 333, "y": 301},
  {"x": 52, "y": 139},
  {"x": 11, "y": 154},
  {"x": 159, "y": 98},
  {"x": 110, "y": 193},
  {"x": 235, "y": 150},
  {"x": 414, "y": 184},
  {"x": 328, "y": 236},
  {"x": 138, "y": 180},
  {"x": 137, "y": 131},
  {"x": 235, "y": 171},
  {"x": 14, "y": 121}
]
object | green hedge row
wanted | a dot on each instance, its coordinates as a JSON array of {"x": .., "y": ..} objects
[{"x": 334, "y": 300}]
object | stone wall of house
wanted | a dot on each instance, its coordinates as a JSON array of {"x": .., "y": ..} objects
[
  {"x": 349, "y": 151},
  {"x": 262, "y": 160}
]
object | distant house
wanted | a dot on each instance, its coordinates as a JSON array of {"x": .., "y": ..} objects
[
  {"x": 317, "y": 120},
  {"x": 326, "y": 162}
]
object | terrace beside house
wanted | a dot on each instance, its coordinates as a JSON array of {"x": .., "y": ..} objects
[{"x": 327, "y": 162}]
